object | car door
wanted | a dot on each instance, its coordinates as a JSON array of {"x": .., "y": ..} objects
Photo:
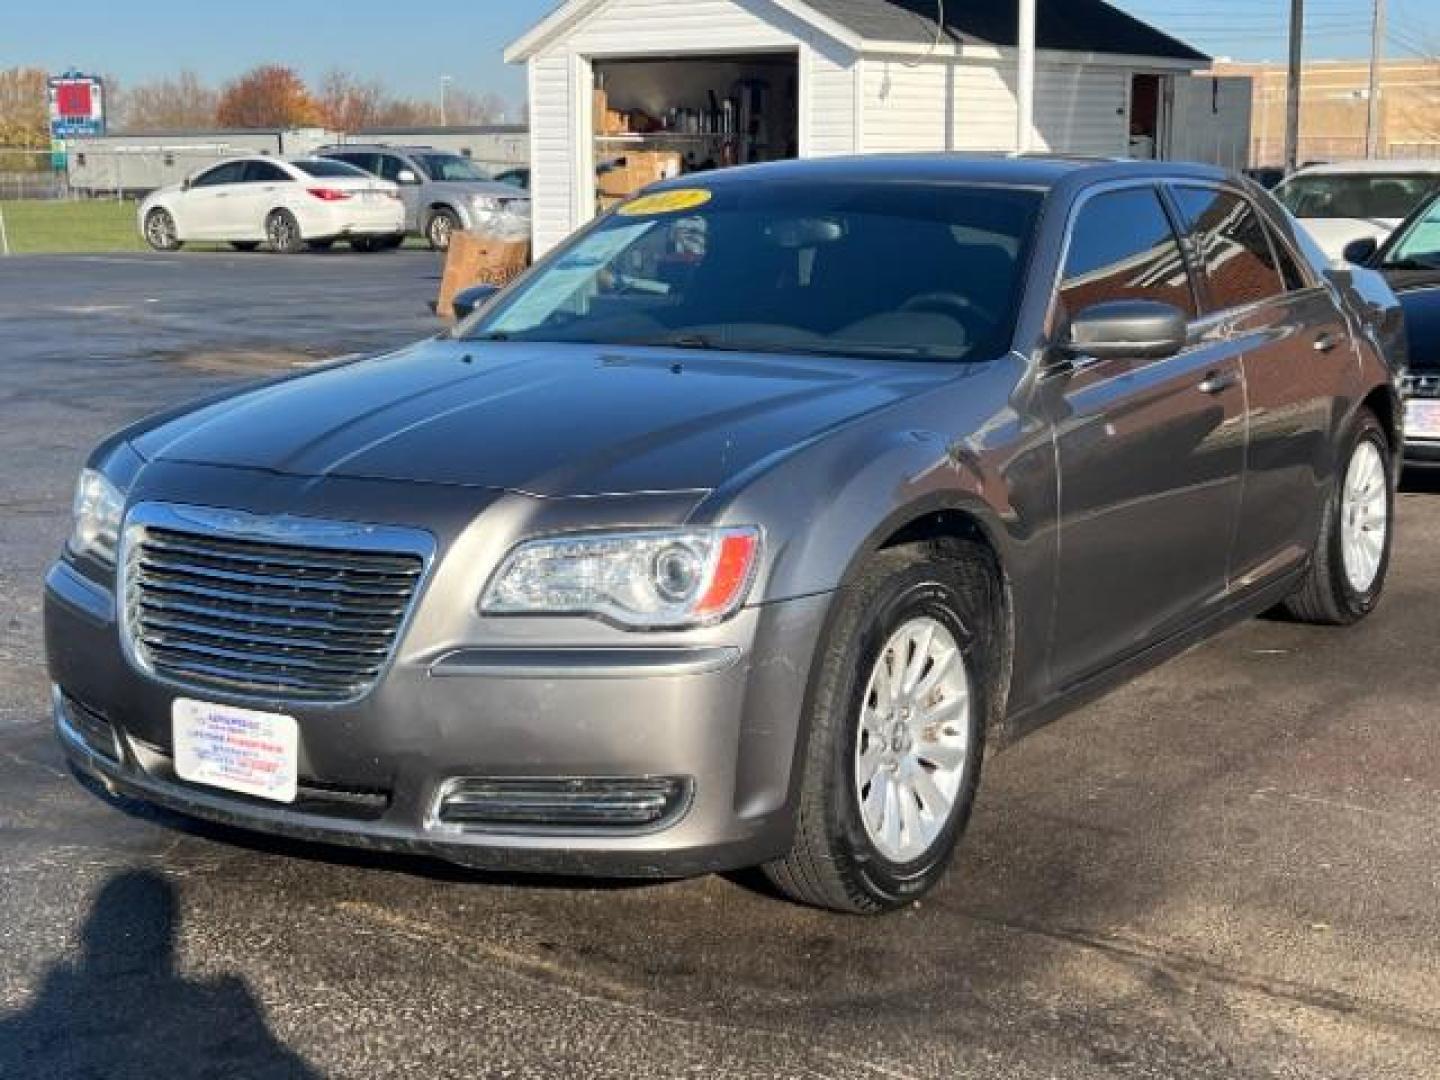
[
  {"x": 404, "y": 175},
  {"x": 1150, "y": 452},
  {"x": 1298, "y": 359},
  {"x": 263, "y": 189},
  {"x": 205, "y": 209}
]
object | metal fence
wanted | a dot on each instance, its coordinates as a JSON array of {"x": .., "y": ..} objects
[{"x": 28, "y": 174}]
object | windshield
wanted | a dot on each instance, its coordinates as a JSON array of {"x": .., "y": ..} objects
[
  {"x": 450, "y": 167},
  {"x": 324, "y": 169},
  {"x": 1419, "y": 247},
  {"x": 1372, "y": 195},
  {"x": 891, "y": 270}
]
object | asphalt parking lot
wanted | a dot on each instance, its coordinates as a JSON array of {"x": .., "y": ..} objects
[{"x": 1229, "y": 868}]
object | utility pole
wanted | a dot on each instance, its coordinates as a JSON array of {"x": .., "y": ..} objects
[
  {"x": 444, "y": 82},
  {"x": 1025, "y": 91},
  {"x": 1377, "y": 58},
  {"x": 1292, "y": 98}
]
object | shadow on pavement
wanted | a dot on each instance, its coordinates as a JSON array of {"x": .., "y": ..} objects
[{"x": 121, "y": 1010}]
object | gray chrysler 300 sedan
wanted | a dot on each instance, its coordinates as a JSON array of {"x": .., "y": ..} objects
[{"x": 740, "y": 528}]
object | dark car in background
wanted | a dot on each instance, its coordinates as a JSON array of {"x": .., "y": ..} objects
[
  {"x": 737, "y": 531},
  {"x": 1410, "y": 261}
]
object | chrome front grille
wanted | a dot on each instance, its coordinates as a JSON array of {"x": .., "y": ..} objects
[{"x": 286, "y": 609}]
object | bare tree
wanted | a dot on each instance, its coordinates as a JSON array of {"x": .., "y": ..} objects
[
  {"x": 464, "y": 108},
  {"x": 181, "y": 102},
  {"x": 348, "y": 103},
  {"x": 406, "y": 112}
]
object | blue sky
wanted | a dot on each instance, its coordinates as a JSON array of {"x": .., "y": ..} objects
[{"x": 411, "y": 45}]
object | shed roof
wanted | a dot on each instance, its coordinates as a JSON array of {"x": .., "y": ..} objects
[
  {"x": 1091, "y": 26},
  {"x": 1084, "y": 26}
]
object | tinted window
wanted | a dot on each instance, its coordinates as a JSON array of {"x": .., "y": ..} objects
[
  {"x": 1122, "y": 247},
  {"x": 390, "y": 167},
  {"x": 450, "y": 167},
  {"x": 325, "y": 169},
  {"x": 1369, "y": 195},
  {"x": 864, "y": 269},
  {"x": 265, "y": 172},
  {"x": 229, "y": 173},
  {"x": 1232, "y": 244},
  {"x": 360, "y": 161}
]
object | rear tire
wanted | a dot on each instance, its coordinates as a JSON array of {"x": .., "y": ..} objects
[
  {"x": 440, "y": 228},
  {"x": 283, "y": 233},
  {"x": 1352, "y": 553},
  {"x": 244, "y": 245},
  {"x": 844, "y": 855},
  {"x": 160, "y": 231}
]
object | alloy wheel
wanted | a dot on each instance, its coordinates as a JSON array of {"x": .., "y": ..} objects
[
  {"x": 1364, "y": 516},
  {"x": 913, "y": 741}
]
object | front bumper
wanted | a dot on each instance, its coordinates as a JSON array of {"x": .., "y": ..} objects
[{"x": 721, "y": 712}]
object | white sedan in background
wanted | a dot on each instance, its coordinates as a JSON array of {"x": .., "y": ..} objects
[
  {"x": 289, "y": 205},
  {"x": 1343, "y": 202}
]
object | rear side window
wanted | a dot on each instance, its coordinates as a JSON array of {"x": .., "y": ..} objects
[
  {"x": 1232, "y": 245},
  {"x": 1122, "y": 247},
  {"x": 229, "y": 173},
  {"x": 390, "y": 167},
  {"x": 325, "y": 169},
  {"x": 263, "y": 172}
]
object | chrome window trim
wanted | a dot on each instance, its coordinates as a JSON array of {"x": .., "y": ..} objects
[{"x": 319, "y": 533}]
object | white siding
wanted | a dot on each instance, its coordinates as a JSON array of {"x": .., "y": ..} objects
[
  {"x": 664, "y": 27},
  {"x": 831, "y": 97},
  {"x": 553, "y": 141},
  {"x": 971, "y": 105},
  {"x": 1082, "y": 109}
]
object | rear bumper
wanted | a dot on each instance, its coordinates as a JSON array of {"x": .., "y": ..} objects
[
  {"x": 714, "y": 715},
  {"x": 356, "y": 218}
]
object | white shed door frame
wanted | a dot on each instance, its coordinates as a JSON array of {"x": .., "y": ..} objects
[{"x": 582, "y": 105}]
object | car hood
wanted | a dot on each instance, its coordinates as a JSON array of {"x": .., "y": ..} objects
[
  {"x": 1332, "y": 234},
  {"x": 549, "y": 420},
  {"x": 478, "y": 187}
]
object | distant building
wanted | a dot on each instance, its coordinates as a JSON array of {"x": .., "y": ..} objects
[{"x": 1334, "y": 106}]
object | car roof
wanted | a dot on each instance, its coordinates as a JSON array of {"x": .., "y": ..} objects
[
  {"x": 1028, "y": 170},
  {"x": 1370, "y": 168}
]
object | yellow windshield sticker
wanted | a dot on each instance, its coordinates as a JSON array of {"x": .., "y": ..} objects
[{"x": 665, "y": 202}]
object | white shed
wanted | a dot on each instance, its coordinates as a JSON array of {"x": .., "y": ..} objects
[{"x": 718, "y": 82}]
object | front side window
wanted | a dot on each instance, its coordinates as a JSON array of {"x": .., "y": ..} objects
[
  {"x": 231, "y": 172},
  {"x": 450, "y": 168},
  {"x": 1232, "y": 245},
  {"x": 841, "y": 269},
  {"x": 1122, "y": 247},
  {"x": 390, "y": 167},
  {"x": 1419, "y": 247},
  {"x": 1369, "y": 195}
]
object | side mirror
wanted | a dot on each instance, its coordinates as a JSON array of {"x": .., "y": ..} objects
[
  {"x": 185, "y": 184},
  {"x": 1127, "y": 330},
  {"x": 1360, "y": 252},
  {"x": 467, "y": 300},
  {"x": 406, "y": 176}
]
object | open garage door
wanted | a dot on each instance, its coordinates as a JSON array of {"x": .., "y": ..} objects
[{"x": 656, "y": 119}]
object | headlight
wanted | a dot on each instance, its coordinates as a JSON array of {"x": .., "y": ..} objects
[
  {"x": 98, "y": 509},
  {"x": 485, "y": 204},
  {"x": 642, "y": 580}
]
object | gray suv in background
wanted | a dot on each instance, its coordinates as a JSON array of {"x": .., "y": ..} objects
[{"x": 442, "y": 191}]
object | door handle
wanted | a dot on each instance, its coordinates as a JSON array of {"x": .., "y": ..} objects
[
  {"x": 1217, "y": 382},
  {"x": 1327, "y": 342}
]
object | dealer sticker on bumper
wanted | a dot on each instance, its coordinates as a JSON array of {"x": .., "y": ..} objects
[
  {"x": 254, "y": 753},
  {"x": 1422, "y": 418}
]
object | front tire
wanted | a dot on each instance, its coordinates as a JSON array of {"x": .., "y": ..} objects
[
  {"x": 441, "y": 227},
  {"x": 160, "y": 231},
  {"x": 901, "y": 700},
  {"x": 283, "y": 233},
  {"x": 1352, "y": 553}
]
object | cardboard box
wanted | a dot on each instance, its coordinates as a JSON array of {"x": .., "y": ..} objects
[
  {"x": 641, "y": 169},
  {"x": 479, "y": 260}
]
